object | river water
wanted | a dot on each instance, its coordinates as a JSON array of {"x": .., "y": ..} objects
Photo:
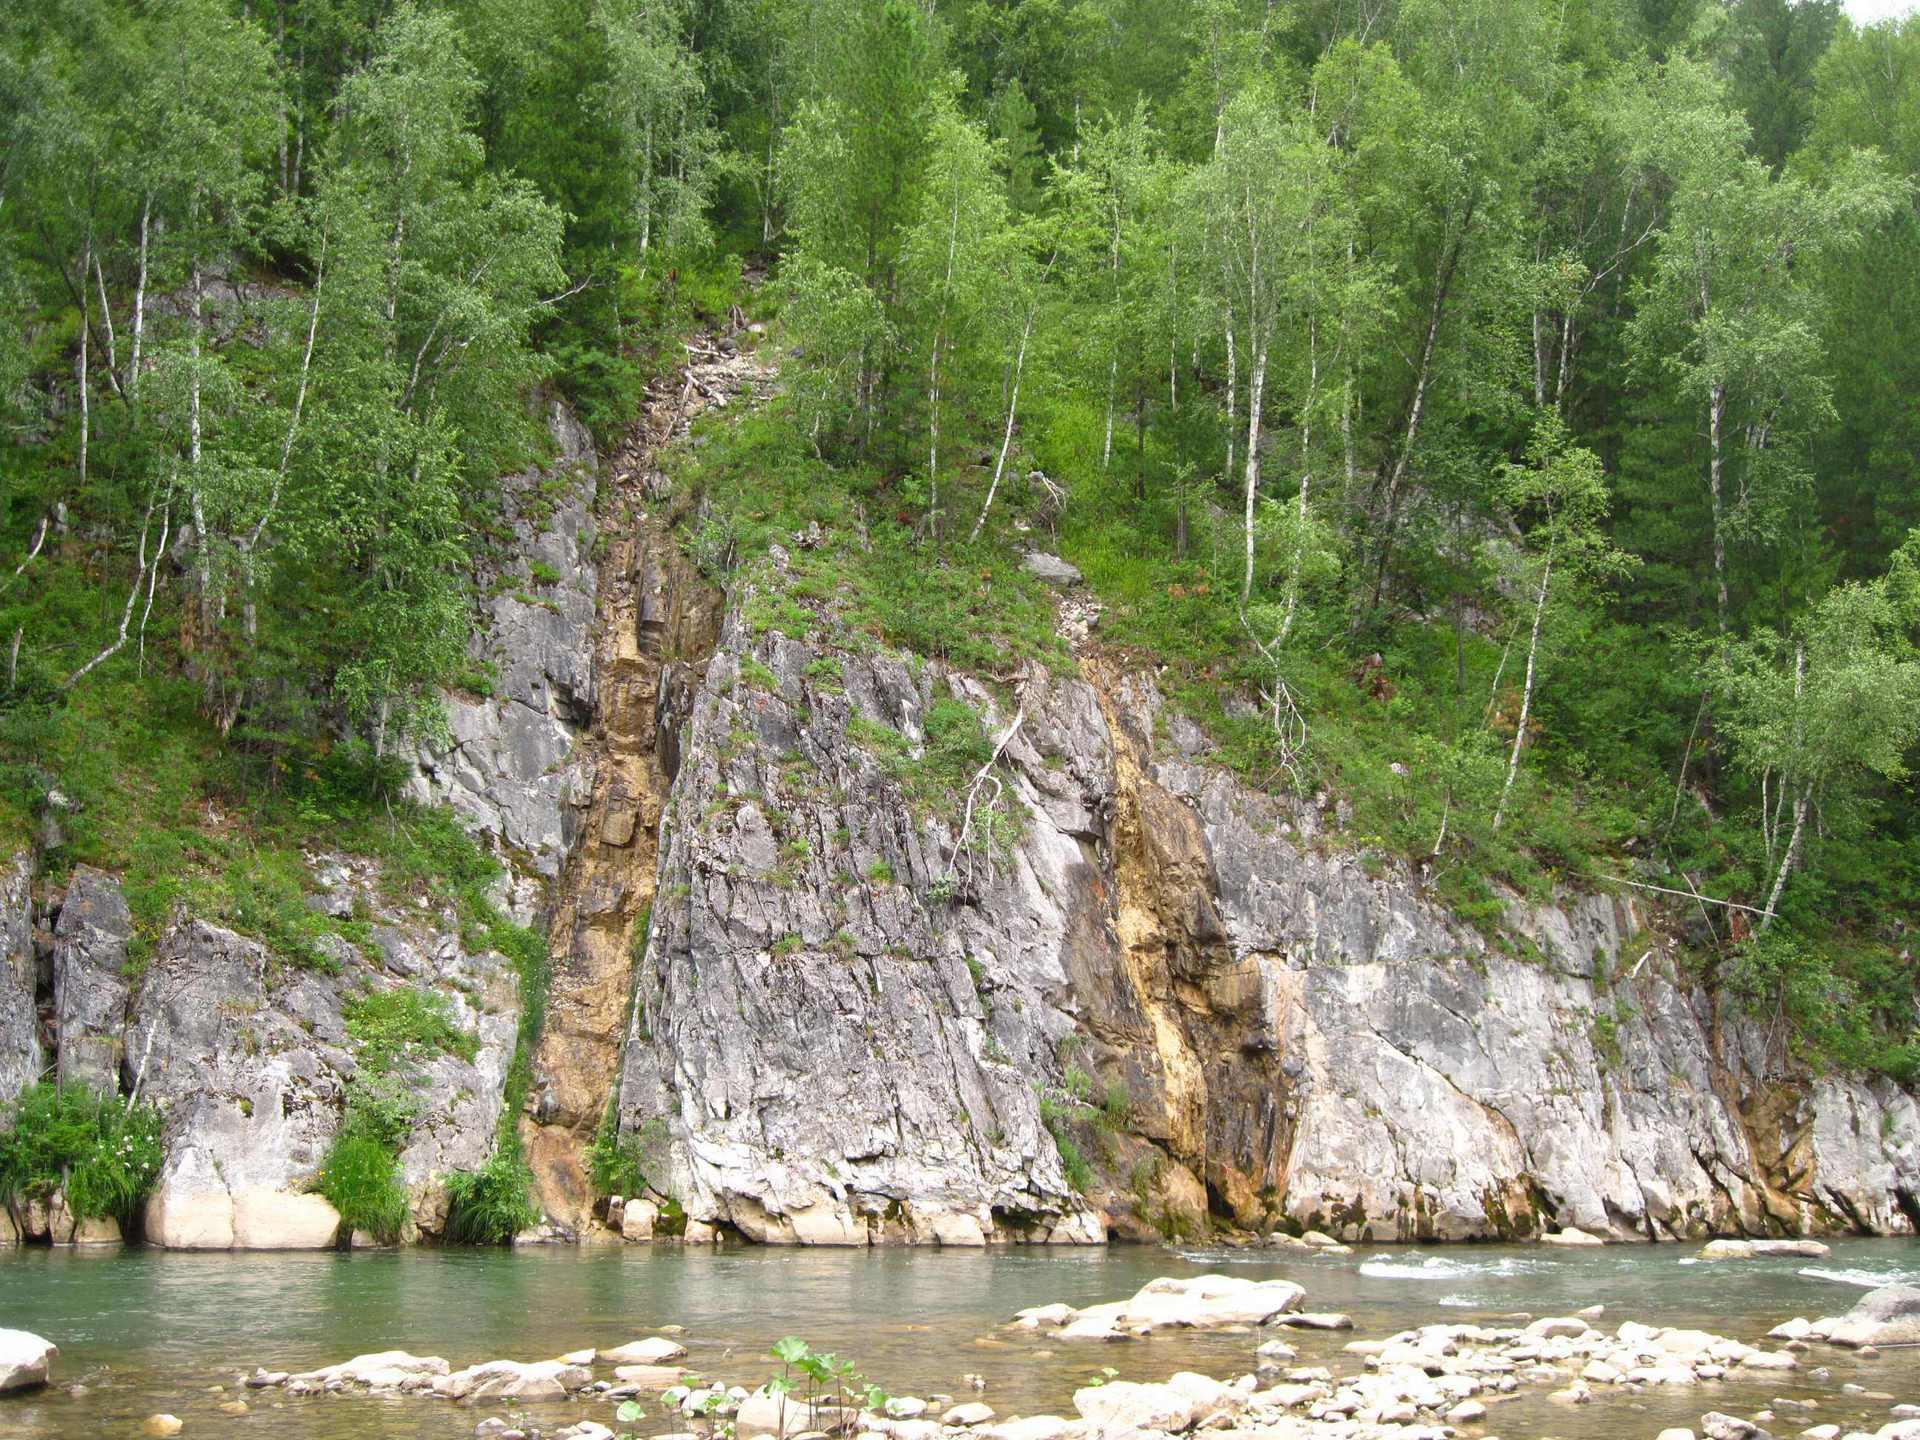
[{"x": 148, "y": 1330}]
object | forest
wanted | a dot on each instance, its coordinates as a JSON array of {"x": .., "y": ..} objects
[{"x": 1498, "y": 421}]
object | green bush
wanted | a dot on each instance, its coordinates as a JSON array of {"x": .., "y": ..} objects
[
  {"x": 104, "y": 1151},
  {"x": 361, "y": 1179},
  {"x": 491, "y": 1205}
]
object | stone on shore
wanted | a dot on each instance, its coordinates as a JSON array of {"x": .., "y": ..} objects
[
  {"x": 513, "y": 1380},
  {"x": 26, "y": 1360},
  {"x": 637, "y": 1220},
  {"x": 1124, "y": 1406},
  {"x": 971, "y": 1414},
  {"x": 1718, "y": 1426},
  {"x": 655, "y": 1350},
  {"x": 766, "y": 1413},
  {"x": 390, "y": 1369},
  {"x": 650, "y": 1377}
]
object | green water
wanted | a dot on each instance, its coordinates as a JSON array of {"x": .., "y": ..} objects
[{"x": 147, "y": 1330}]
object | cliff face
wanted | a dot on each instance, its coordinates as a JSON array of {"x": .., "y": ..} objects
[
  {"x": 841, "y": 990},
  {"x": 249, "y": 1058},
  {"x": 843, "y": 1021}
]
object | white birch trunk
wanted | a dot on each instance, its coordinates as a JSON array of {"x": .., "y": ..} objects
[{"x": 1526, "y": 692}]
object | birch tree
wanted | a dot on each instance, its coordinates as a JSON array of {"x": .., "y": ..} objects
[
  {"x": 1560, "y": 494},
  {"x": 1728, "y": 310},
  {"x": 1814, "y": 712}
]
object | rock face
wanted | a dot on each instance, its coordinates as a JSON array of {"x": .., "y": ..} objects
[
  {"x": 248, "y": 1056},
  {"x": 19, "y": 1030},
  {"x": 89, "y": 979},
  {"x": 657, "y": 619},
  {"x": 842, "y": 1012},
  {"x": 511, "y": 771}
]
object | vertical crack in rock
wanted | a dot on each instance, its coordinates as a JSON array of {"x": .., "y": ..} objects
[{"x": 658, "y": 620}]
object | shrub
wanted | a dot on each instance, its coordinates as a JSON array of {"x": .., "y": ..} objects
[
  {"x": 617, "y": 1164},
  {"x": 491, "y": 1205},
  {"x": 104, "y": 1151},
  {"x": 361, "y": 1179}
]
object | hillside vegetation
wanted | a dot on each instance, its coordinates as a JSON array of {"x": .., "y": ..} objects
[{"x": 1495, "y": 420}]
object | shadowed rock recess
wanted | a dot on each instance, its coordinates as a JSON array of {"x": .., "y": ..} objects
[{"x": 828, "y": 1003}]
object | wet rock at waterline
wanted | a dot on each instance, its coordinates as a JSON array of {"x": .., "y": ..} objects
[
  {"x": 26, "y": 1360},
  {"x": 1763, "y": 1249},
  {"x": 1889, "y": 1315},
  {"x": 1202, "y": 1302},
  {"x": 656, "y": 1350}
]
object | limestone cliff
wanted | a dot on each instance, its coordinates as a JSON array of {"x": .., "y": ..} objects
[{"x": 844, "y": 1044}]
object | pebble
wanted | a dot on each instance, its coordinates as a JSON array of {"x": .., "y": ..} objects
[
  {"x": 163, "y": 1425},
  {"x": 234, "y": 1407}
]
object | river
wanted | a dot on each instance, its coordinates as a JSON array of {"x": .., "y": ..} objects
[{"x": 147, "y": 1330}]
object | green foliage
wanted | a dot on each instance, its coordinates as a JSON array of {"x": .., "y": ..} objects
[
  {"x": 103, "y": 1151},
  {"x": 1058, "y": 1120},
  {"x": 406, "y": 1022},
  {"x": 491, "y": 1205},
  {"x": 618, "y": 1164},
  {"x": 360, "y": 1178}
]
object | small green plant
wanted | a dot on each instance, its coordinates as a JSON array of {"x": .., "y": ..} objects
[
  {"x": 103, "y": 1151},
  {"x": 406, "y": 1023},
  {"x": 759, "y": 676},
  {"x": 543, "y": 573},
  {"x": 1116, "y": 1108},
  {"x": 617, "y": 1164},
  {"x": 880, "y": 873},
  {"x": 851, "y": 1391}
]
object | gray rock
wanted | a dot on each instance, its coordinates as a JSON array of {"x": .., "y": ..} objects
[
  {"x": 20, "y": 1060},
  {"x": 841, "y": 1059},
  {"x": 89, "y": 978},
  {"x": 1887, "y": 1316},
  {"x": 1051, "y": 568},
  {"x": 26, "y": 1361},
  {"x": 509, "y": 769},
  {"x": 250, "y": 1060}
]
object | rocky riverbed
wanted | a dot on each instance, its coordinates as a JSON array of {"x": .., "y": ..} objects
[{"x": 1480, "y": 1378}]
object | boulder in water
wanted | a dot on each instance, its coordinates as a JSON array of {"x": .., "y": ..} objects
[
  {"x": 1763, "y": 1249},
  {"x": 654, "y": 1350},
  {"x": 1887, "y": 1316},
  {"x": 26, "y": 1360}
]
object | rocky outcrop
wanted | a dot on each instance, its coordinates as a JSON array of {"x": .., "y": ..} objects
[
  {"x": 845, "y": 1008},
  {"x": 250, "y": 1060},
  {"x": 657, "y": 621},
  {"x": 836, "y": 1059},
  {"x": 90, "y": 978},
  {"x": 511, "y": 770},
  {"x": 19, "y": 1014}
]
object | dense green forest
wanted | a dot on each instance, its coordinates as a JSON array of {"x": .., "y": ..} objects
[{"x": 1498, "y": 420}]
